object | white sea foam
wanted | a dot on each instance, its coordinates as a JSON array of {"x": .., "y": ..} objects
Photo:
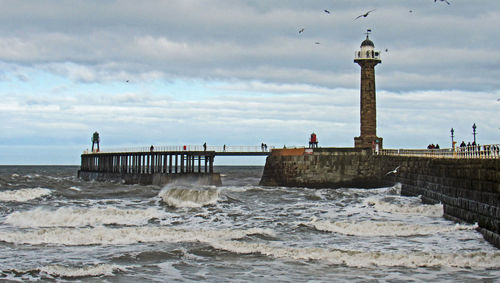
[
  {"x": 365, "y": 259},
  {"x": 435, "y": 210},
  {"x": 78, "y": 217},
  {"x": 87, "y": 270},
  {"x": 121, "y": 236},
  {"x": 75, "y": 188},
  {"x": 382, "y": 228},
  {"x": 189, "y": 197},
  {"x": 23, "y": 195}
]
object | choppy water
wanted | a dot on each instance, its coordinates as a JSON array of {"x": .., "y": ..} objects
[{"x": 55, "y": 227}]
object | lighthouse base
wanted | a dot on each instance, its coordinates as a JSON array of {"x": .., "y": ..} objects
[{"x": 372, "y": 142}]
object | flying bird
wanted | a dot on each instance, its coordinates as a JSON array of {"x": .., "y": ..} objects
[
  {"x": 326, "y": 11},
  {"x": 365, "y": 14},
  {"x": 317, "y": 42},
  {"x": 393, "y": 171},
  {"x": 301, "y": 30},
  {"x": 446, "y": 1}
]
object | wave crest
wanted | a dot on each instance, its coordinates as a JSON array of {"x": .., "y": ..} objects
[
  {"x": 78, "y": 217},
  {"x": 365, "y": 259},
  {"x": 380, "y": 228},
  {"x": 23, "y": 195},
  {"x": 189, "y": 197}
]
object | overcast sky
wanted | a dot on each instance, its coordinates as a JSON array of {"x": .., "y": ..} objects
[{"x": 238, "y": 72}]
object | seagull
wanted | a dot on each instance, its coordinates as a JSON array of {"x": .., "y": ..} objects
[
  {"x": 317, "y": 42},
  {"x": 446, "y": 1},
  {"x": 127, "y": 81},
  {"x": 393, "y": 171},
  {"x": 326, "y": 11},
  {"x": 365, "y": 14},
  {"x": 301, "y": 30}
]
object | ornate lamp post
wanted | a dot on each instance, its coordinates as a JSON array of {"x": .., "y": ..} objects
[
  {"x": 452, "y": 140},
  {"x": 474, "y": 132}
]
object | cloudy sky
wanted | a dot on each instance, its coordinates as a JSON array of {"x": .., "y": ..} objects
[{"x": 238, "y": 72}]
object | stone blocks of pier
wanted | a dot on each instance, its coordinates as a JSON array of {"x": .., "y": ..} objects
[{"x": 323, "y": 168}]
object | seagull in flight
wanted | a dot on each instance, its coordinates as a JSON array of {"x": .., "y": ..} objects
[
  {"x": 301, "y": 30},
  {"x": 365, "y": 14},
  {"x": 326, "y": 11},
  {"x": 393, "y": 171},
  {"x": 446, "y": 1},
  {"x": 317, "y": 42}
]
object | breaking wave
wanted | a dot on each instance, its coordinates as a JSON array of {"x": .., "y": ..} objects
[
  {"x": 23, "y": 195},
  {"x": 78, "y": 217},
  {"x": 381, "y": 228},
  {"x": 60, "y": 271},
  {"x": 366, "y": 259},
  {"x": 435, "y": 210},
  {"x": 119, "y": 236},
  {"x": 189, "y": 197},
  {"x": 88, "y": 270}
]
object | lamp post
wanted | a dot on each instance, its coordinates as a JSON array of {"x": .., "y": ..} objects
[
  {"x": 474, "y": 132},
  {"x": 452, "y": 140}
]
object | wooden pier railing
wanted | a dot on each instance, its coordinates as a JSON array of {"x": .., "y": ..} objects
[{"x": 152, "y": 162}]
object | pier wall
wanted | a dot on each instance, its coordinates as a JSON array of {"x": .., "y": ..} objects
[
  {"x": 324, "y": 167},
  {"x": 469, "y": 189}
]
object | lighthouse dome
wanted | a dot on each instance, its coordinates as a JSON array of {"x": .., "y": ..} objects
[{"x": 367, "y": 42}]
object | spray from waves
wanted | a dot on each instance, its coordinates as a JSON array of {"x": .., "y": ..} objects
[
  {"x": 435, "y": 210},
  {"x": 189, "y": 196},
  {"x": 123, "y": 236},
  {"x": 365, "y": 259},
  {"x": 23, "y": 195},
  {"x": 74, "y": 188},
  {"x": 78, "y": 217},
  {"x": 382, "y": 228}
]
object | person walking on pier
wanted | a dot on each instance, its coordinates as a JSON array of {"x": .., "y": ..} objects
[
  {"x": 152, "y": 148},
  {"x": 205, "y": 147}
]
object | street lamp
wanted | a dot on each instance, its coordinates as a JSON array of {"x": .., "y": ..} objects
[
  {"x": 452, "y": 136},
  {"x": 474, "y": 132}
]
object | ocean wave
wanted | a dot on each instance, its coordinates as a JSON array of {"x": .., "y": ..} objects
[
  {"x": 122, "y": 236},
  {"x": 382, "y": 228},
  {"x": 435, "y": 210},
  {"x": 93, "y": 270},
  {"x": 84, "y": 271},
  {"x": 78, "y": 217},
  {"x": 189, "y": 197},
  {"x": 365, "y": 259},
  {"x": 23, "y": 195}
]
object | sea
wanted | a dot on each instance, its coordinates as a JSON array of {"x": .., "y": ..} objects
[{"x": 55, "y": 227}]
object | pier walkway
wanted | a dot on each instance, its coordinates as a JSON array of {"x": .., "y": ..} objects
[
  {"x": 217, "y": 150},
  {"x": 163, "y": 159},
  {"x": 488, "y": 151}
]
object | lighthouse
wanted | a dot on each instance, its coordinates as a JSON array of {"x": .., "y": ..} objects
[{"x": 367, "y": 58}]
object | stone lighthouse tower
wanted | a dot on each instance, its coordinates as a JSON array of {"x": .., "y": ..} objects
[{"x": 368, "y": 58}]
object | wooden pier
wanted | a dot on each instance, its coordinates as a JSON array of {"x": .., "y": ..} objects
[
  {"x": 154, "y": 167},
  {"x": 149, "y": 162}
]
